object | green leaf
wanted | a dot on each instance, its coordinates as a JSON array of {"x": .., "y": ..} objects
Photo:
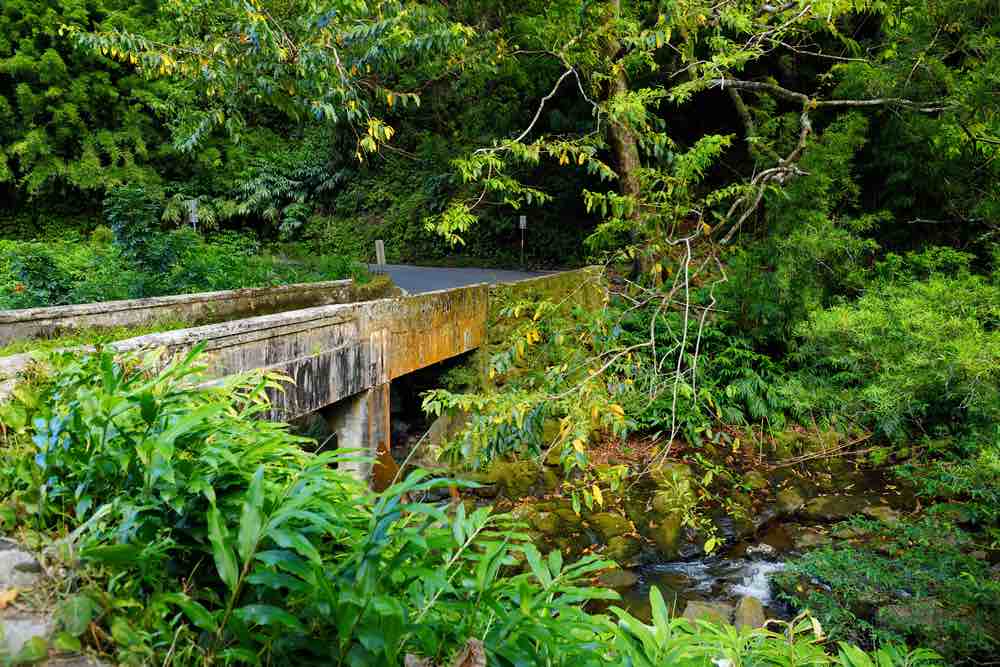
[
  {"x": 64, "y": 641},
  {"x": 76, "y": 614},
  {"x": 34, "y": 650},
  {"x": 194, "y": 610},
  {"x": 114, "y": 554},
  {"x": 252, "y": 517},
  {"x": 225, "y": 560},
  {"x": 123, "y": 633},
  {"x": 263, "y": 614}
]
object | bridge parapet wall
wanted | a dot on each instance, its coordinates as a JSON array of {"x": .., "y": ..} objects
[
  {"x": 200, "y": 308},
  {"x": 336, "y": 351}
]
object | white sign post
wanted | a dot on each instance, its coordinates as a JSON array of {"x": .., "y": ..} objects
[
  {"x": 380, "y": 256},
  {"x": 523, "y": 224}
]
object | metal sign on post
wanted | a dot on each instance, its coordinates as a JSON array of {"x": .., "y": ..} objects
[
  {"x": 523, "y": 224},
  {"x": 380, "y": 255}
]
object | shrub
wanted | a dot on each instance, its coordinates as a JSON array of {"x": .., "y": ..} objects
[
  {"x": 911, "y": 353},
  {"x": 913, "y": 582}
]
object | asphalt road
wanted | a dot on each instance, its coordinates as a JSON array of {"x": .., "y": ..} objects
[{"x": 417, "y": 279}]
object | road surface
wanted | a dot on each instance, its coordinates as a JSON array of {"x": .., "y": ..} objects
[{"x": 417, "y": 279}]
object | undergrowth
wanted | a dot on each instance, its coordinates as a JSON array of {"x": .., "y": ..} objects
[{"x": 196, "y": 532}]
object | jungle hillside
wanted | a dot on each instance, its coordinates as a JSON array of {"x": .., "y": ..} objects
[{"x": 762, "y": 426}]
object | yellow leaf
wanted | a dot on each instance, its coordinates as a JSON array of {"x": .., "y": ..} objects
[
  {"x": 594, "y": 412},
  {"x": 581, "y": 158},
  {"x": 7, "y": 596},
  {"x": 578, "y": 445},
  {"x": 390, "y": 98},
  {"x": 706, "y": 228},
  {"x": 597, "y": 495},
  {"x": 617, "y": 409}
]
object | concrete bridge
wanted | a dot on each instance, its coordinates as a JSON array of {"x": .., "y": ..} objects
[{"x": 342, "y": 358}]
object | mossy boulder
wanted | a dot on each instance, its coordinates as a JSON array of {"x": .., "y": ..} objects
[
  {"x": 547, "y": 523},
  {"x": 623, "y": 548},
  {"x": 618, "y": 579},
  {"x": 666, "y": 534},
  {"x": 714, "y": 612},
  {"x": 515, "y": 479},
  {"x": 790, "y": 500},
  {"x": 756, "y": 481},
  {"x": 671, "y": 473},
  {"x": 610, "y": 524},
  {"x": 749, "y": 613},
  {"x": 569, "y": 517},
  {"x": 664, "y": 502},
  {"x": 834, "y": 508}
]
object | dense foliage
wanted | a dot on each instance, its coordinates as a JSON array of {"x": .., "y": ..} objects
[
  {"x": 209, "y": 535},
  {"x": 797, "y": 203}
]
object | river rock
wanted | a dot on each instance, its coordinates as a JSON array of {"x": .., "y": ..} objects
[
  {"x": 618, "y": 579},
  {"x": 883, "y": 513},
  {"x": 954, "y": 512},
  {"x": 546, "y": 523},
  {"x": 715, "y": 612},
  {"x": 749, "y": 613},
  {"x": 569, "y": 517},
  {"x": 609, "y": 525},
  {"x": 756, "y": 480},
  {"x": 664, "y": 502},
  {"x": 670, "y": 473},
  {"x": 623, "y": 548},
  {"x": 516, "y": 479},
  {"x": 834, "y": 508},
  {"x": 810, "y": 538},
  {"x": 790, "y": 500},
  {"x": 761, "y": 552},
  {"x": 667, "y": 535},
  {"x": 917, "y": 615}
]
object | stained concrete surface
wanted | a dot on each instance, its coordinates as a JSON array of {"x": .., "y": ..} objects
[{"x": 418, "y": 279}]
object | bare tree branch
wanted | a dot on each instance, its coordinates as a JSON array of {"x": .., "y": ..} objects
[{"x": 810, "y": 102}]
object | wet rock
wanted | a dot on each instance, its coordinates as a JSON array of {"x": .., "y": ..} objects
[
  {"x": 547, "y": 523},
  {"x": 851, "y": 533},
  {"x": 487, "y": 491},
  {"x": 790, "y": 500},
  {"x": 516, "y": 479},
  {"x": 569, "y": 517},
  {"x": 834, "y": 508},
  {"x": 623, "y": 548},
  {"x": 609, "y": 525},
  {"x": 733, "y": 529},
  {"x": 664, "y": 502},
  {"x": 810, "y": 538},
  {"x": 955, "y": 512},
  {"x": 883, "y": 513},
  {"x": 670, "y": 473},
  {"x": 715, "y": 612},
  {"x": 667, "y": 536},
  {"x": 761, "y": 552},
  {"x": 749, "y": 613},
  {"x": 921, "y": 616},
  {"x": 618, "y": 579},
  {"x": 756, "y": 480}
]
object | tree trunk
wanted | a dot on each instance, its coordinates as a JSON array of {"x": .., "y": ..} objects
[{"x": 625, "y": 150}]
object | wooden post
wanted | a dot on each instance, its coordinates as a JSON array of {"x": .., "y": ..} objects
[{"x": 380, "y": 255}]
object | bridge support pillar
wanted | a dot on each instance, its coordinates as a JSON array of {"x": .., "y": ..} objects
[{"x": 362, "y": 422}]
